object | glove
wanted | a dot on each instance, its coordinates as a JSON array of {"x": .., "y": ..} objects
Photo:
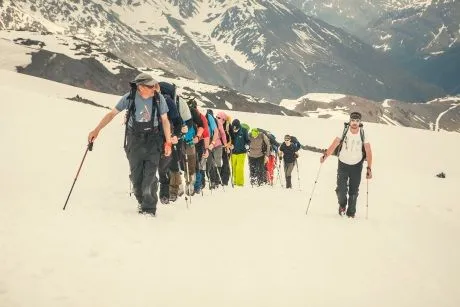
[
  {"x": 265, "y": 159},
  {"x": 246, "y": 146}
]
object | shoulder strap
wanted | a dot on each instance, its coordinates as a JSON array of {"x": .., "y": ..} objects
[
  {"x": 339, "y": 147},
  {"x": 345, "y": 130},
  {"x": 130, "y": 109},
  {"x": 156, "y": 102}
]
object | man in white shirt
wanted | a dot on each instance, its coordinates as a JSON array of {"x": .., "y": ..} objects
[{"x": 353, "y": 149}]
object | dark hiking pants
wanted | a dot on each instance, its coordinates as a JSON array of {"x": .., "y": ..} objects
[
  {"x": 225, "y": 173},
  {"x": 288, "y": 167},
  {"x": 163, "y": 171},
  {"x": 143, "y": 153},
  {"x": 348, "y": 181},
  {"x": 257, "y": 170},
  {"x": 214, "y": 166}
]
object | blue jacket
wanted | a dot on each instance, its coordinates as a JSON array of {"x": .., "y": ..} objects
[{"x": 240, "y": 140}]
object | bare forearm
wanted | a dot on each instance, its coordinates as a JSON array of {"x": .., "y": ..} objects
[
  {"x": 206, "y": 143},
  {"x": 215, "y": 137},
  {"x": 105, "y": 120},
  {"x": 368, "y": 156},
  {"x": 166, "y": 128}
]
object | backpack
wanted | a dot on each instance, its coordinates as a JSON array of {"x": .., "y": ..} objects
[
  {"x": 344, "y": 133},
  {"x": 205, "y": 126},
  {"x": 211, "y": 123},
  {"x": 245, "y": 126},
  {"x": 273, "y": 143},
  {"x": 296, "y": 143}
]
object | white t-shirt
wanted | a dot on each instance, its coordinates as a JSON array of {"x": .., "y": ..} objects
[{"x": 351, "y": 152}]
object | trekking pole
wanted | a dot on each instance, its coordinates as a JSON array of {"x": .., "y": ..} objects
[
  {"x": 279, "y": 173},
  {"x": 314, "y": 185},
  {"x": 367, "y": 198},
  {"x": 179, "y": 168},
  {"x": 231, "y": 169},
  {"x": 218, "y": 172},
  {"x": 90, "y": 148},
  {"x": 187, "y": 177},
  {"x": 298, "y": 176}
]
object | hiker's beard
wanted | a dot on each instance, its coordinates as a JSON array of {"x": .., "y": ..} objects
[{"x": 354, "y": 125}]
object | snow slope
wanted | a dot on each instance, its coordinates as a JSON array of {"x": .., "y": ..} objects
[{"x": 238, "y": 247}]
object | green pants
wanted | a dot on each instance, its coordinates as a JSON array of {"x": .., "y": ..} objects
[{"x": 238, "y": 168}]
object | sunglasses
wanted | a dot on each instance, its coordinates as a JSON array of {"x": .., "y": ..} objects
[
  {"x": 287, "y": 140},
  {"x": 149, "y": 86},
  {"x": 355, "y": 120}
]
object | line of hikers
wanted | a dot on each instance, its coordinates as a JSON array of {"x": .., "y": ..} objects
[{"x": 164, "y": 134}]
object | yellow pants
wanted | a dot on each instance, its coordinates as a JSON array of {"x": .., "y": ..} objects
[{"x": 238, "y": 168}]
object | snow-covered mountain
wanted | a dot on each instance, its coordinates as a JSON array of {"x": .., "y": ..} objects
[
  {"x": 86, "y": 65},
  {"x": 83, "y": 64},
  {"x": 422, "y": 35},
  {"x": 436, "y": 115},
  {"x": 267, "y": 48}
]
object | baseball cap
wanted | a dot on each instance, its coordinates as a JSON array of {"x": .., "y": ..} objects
[{"x": 145, "y": 79}]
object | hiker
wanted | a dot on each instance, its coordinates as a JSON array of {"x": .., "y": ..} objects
[
  {"x": 147, "y": 132},
  {"x": 288, "y": 153},
  {"x": 195, "y": 130},
  {"x": 272, "y": 155},
  {"x": 168, "y": 165},
  {"x": 201, "y": 141},
  {"x": 183, "y": 153},
  {"x": 240, "y": 145},
  {"x": 217, "y": 142},
  {"x": 223, "y": 119},
  {"x": 352, "y": 148},
  {"x": 257, "y": 157}
]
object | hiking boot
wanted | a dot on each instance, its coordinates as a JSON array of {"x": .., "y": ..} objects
[
  {"x": 148, "y": 212},
  {"x": 180, "y": 192},
  {"x": 189, "y": 190},
  {"x": 352, "y": 216},
  {"x": 342, "y": 210},
  {"x": 172, "y": 197},
  {"x": 164, "y": 200}
]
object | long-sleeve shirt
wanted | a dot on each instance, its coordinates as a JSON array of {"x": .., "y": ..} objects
[{"x": 256, "y": 144}]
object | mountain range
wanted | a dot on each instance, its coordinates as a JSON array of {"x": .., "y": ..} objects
[
  {"x": 270, "y": 49},
  {"x": 422, "y": 36},
  {"x": 101, "y": 45}
]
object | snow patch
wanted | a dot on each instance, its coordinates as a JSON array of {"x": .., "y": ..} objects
[
  {"x": 229, "y": 105},
  {"x": 384, "y": 47},
  {"x": 323, "y": 97},
  {"x": 386, "y": 103}
]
